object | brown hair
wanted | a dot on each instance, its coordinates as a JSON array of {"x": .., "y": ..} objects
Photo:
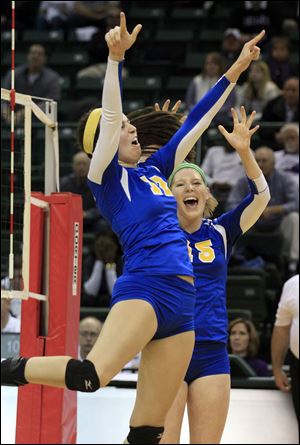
[
  {"x": 253, "y": 345},
  {"x": 155, "y": 128},
  {"x": 217, "y": 59}
]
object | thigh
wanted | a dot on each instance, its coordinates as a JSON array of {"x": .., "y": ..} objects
[
  {"x": 208, "y": 402},
  {"x": 129, "y": 326},
  {"x": 161, "y": 372},
  {"x": 174, "y": 417}
]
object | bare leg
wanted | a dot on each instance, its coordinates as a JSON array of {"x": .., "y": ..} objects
[
  {"x": 129, "y": 326},
  {"x": 163, "y": 366},
  {"x": 208, "y": 401},
  {"x": 175, "y": 415}
]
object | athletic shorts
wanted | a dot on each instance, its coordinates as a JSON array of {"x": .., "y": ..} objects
[
  {"x": 209, "y": 358},
  {"x": 172, "y": 299}
]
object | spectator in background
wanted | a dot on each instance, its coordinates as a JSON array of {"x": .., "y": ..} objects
[
  {"x": 258, "y": 89},
  {"x": 76, "y": 182},
  {"x": 231, "y": 47},
  {"x": 100, "y": 271},
  {"x": 89, "y": 330},
  {"x": 95, "y": 13},
  {"x": 16, "y": 284},
  {"x": 9, "y": 323},
  {"x": 54, "y": 14},
  {"x": 212, "y": 70},
  {"x": 252, "y": 16},
  {"x": 284, "y": 108},
  {"x": 244, "y": 342},
  {"x": 286, "y": 336},
  {"x": 287, "y": 160},
  {"x": 223, "y": 168},
  {"x": 35, "y": 78},
  {"x": 282, "y": 212},
  {"x": 278, "y": 61}
]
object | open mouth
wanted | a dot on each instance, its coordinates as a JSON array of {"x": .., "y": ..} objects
[
  {"x": 191, "y": 202},
  {"x": 135, "y": 142}
]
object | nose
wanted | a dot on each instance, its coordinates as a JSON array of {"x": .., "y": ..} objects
[
  {"x": 189, "y": 186},
  {"x": 132, "y": 128}
]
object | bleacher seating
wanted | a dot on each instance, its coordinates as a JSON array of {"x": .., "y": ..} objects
[{"x": 247, "y": 292}]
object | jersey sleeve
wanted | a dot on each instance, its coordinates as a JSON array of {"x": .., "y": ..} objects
[
  {"x": 198, "y": 120},
  {"x": 238, "y": 220},
  {"x": 284, "y": 314},
  {"x": 110, "y": 123}
]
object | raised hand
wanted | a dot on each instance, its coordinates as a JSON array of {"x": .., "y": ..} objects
[
  {"x": 241, "y": 134},
  {"x": 250, "y": 52},
  {"x": 166, "y": 105},
  {"x": 119, "y": 40}
]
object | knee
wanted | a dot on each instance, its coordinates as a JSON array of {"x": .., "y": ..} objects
[
  {"x": 82, "y": 376},
  {"x": 145, "y": 434}
]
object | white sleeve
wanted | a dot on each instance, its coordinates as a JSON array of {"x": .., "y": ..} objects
[
  {"x": 111, "y": 277},
  {"x": 110, "y": 123},
  {"x": 93, "y": 284},
  {"x": 284, "y": 315},
  {"x": 260, "y": 200}
]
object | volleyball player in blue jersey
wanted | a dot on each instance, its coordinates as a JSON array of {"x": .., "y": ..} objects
[
  {"x": 153, "y": 302},
  {"x": 206, "y": 386}
]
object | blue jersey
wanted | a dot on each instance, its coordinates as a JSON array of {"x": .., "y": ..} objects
[
  {"x": 211, "y": 247},
  {"x": 137, "y": 201}
]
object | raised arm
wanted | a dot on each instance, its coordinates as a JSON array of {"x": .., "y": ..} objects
[
  {"x": 206, "y": 109},
  {"x": 118, "y": 40},
  {"x": 240, "y": 139}
]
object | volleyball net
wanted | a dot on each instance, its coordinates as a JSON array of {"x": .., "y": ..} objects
[{"x": 16, "y": 182}]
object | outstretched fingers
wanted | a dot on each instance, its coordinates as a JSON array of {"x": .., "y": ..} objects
[
  {"x": 254, "y": 130},
  {"x": 136, "y": 31},
  {"x": 123, "y": 25},
  {"x": 175, "y": 108},
  {"x": 257, "y": 38},
  {"x": 234, "y": 116},
  {"x": 250, "y": 119},
  {"x": 223, "y": 131}
]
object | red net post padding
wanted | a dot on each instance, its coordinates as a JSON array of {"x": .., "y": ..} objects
[{"x": 57, "y": 417}]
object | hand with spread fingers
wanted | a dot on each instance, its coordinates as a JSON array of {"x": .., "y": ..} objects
[
  {"x": 241, "y": 134},
  {"x": 119, "y": 40},
  {"x": 166, "y": 106}
]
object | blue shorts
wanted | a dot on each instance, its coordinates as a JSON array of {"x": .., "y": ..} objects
[
  {"x": 172, "y": 299},
  {"x": 209, "y": 358}
]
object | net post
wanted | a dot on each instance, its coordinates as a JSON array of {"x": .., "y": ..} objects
[{"x": 51, "y": 151}]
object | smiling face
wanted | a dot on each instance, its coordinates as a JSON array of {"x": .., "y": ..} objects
[
  {"x": 129, "y": 147},
  {"x": 191, "y": 194}
]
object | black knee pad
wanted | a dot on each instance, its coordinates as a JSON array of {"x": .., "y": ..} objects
[
  {"x": 82, "y": 376},
  {"x": 145, "y": 434}
]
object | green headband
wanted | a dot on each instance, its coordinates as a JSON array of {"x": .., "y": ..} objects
[{"x": 187, "y": 165}]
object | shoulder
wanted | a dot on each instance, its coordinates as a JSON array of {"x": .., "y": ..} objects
[
  {"x": 19, "y": 70},
  {"x": 50, "y": 73},
  {"x": 292, "y": 285}
]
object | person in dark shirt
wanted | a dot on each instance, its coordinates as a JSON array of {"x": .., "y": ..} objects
[
  {"x": 284, "y": 108},
  {"x": 244, "y": 342},
  {"x": 76, "y": 182}
]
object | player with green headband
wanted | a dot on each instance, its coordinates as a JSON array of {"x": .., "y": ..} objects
[{"x": 206, "y": 386}]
